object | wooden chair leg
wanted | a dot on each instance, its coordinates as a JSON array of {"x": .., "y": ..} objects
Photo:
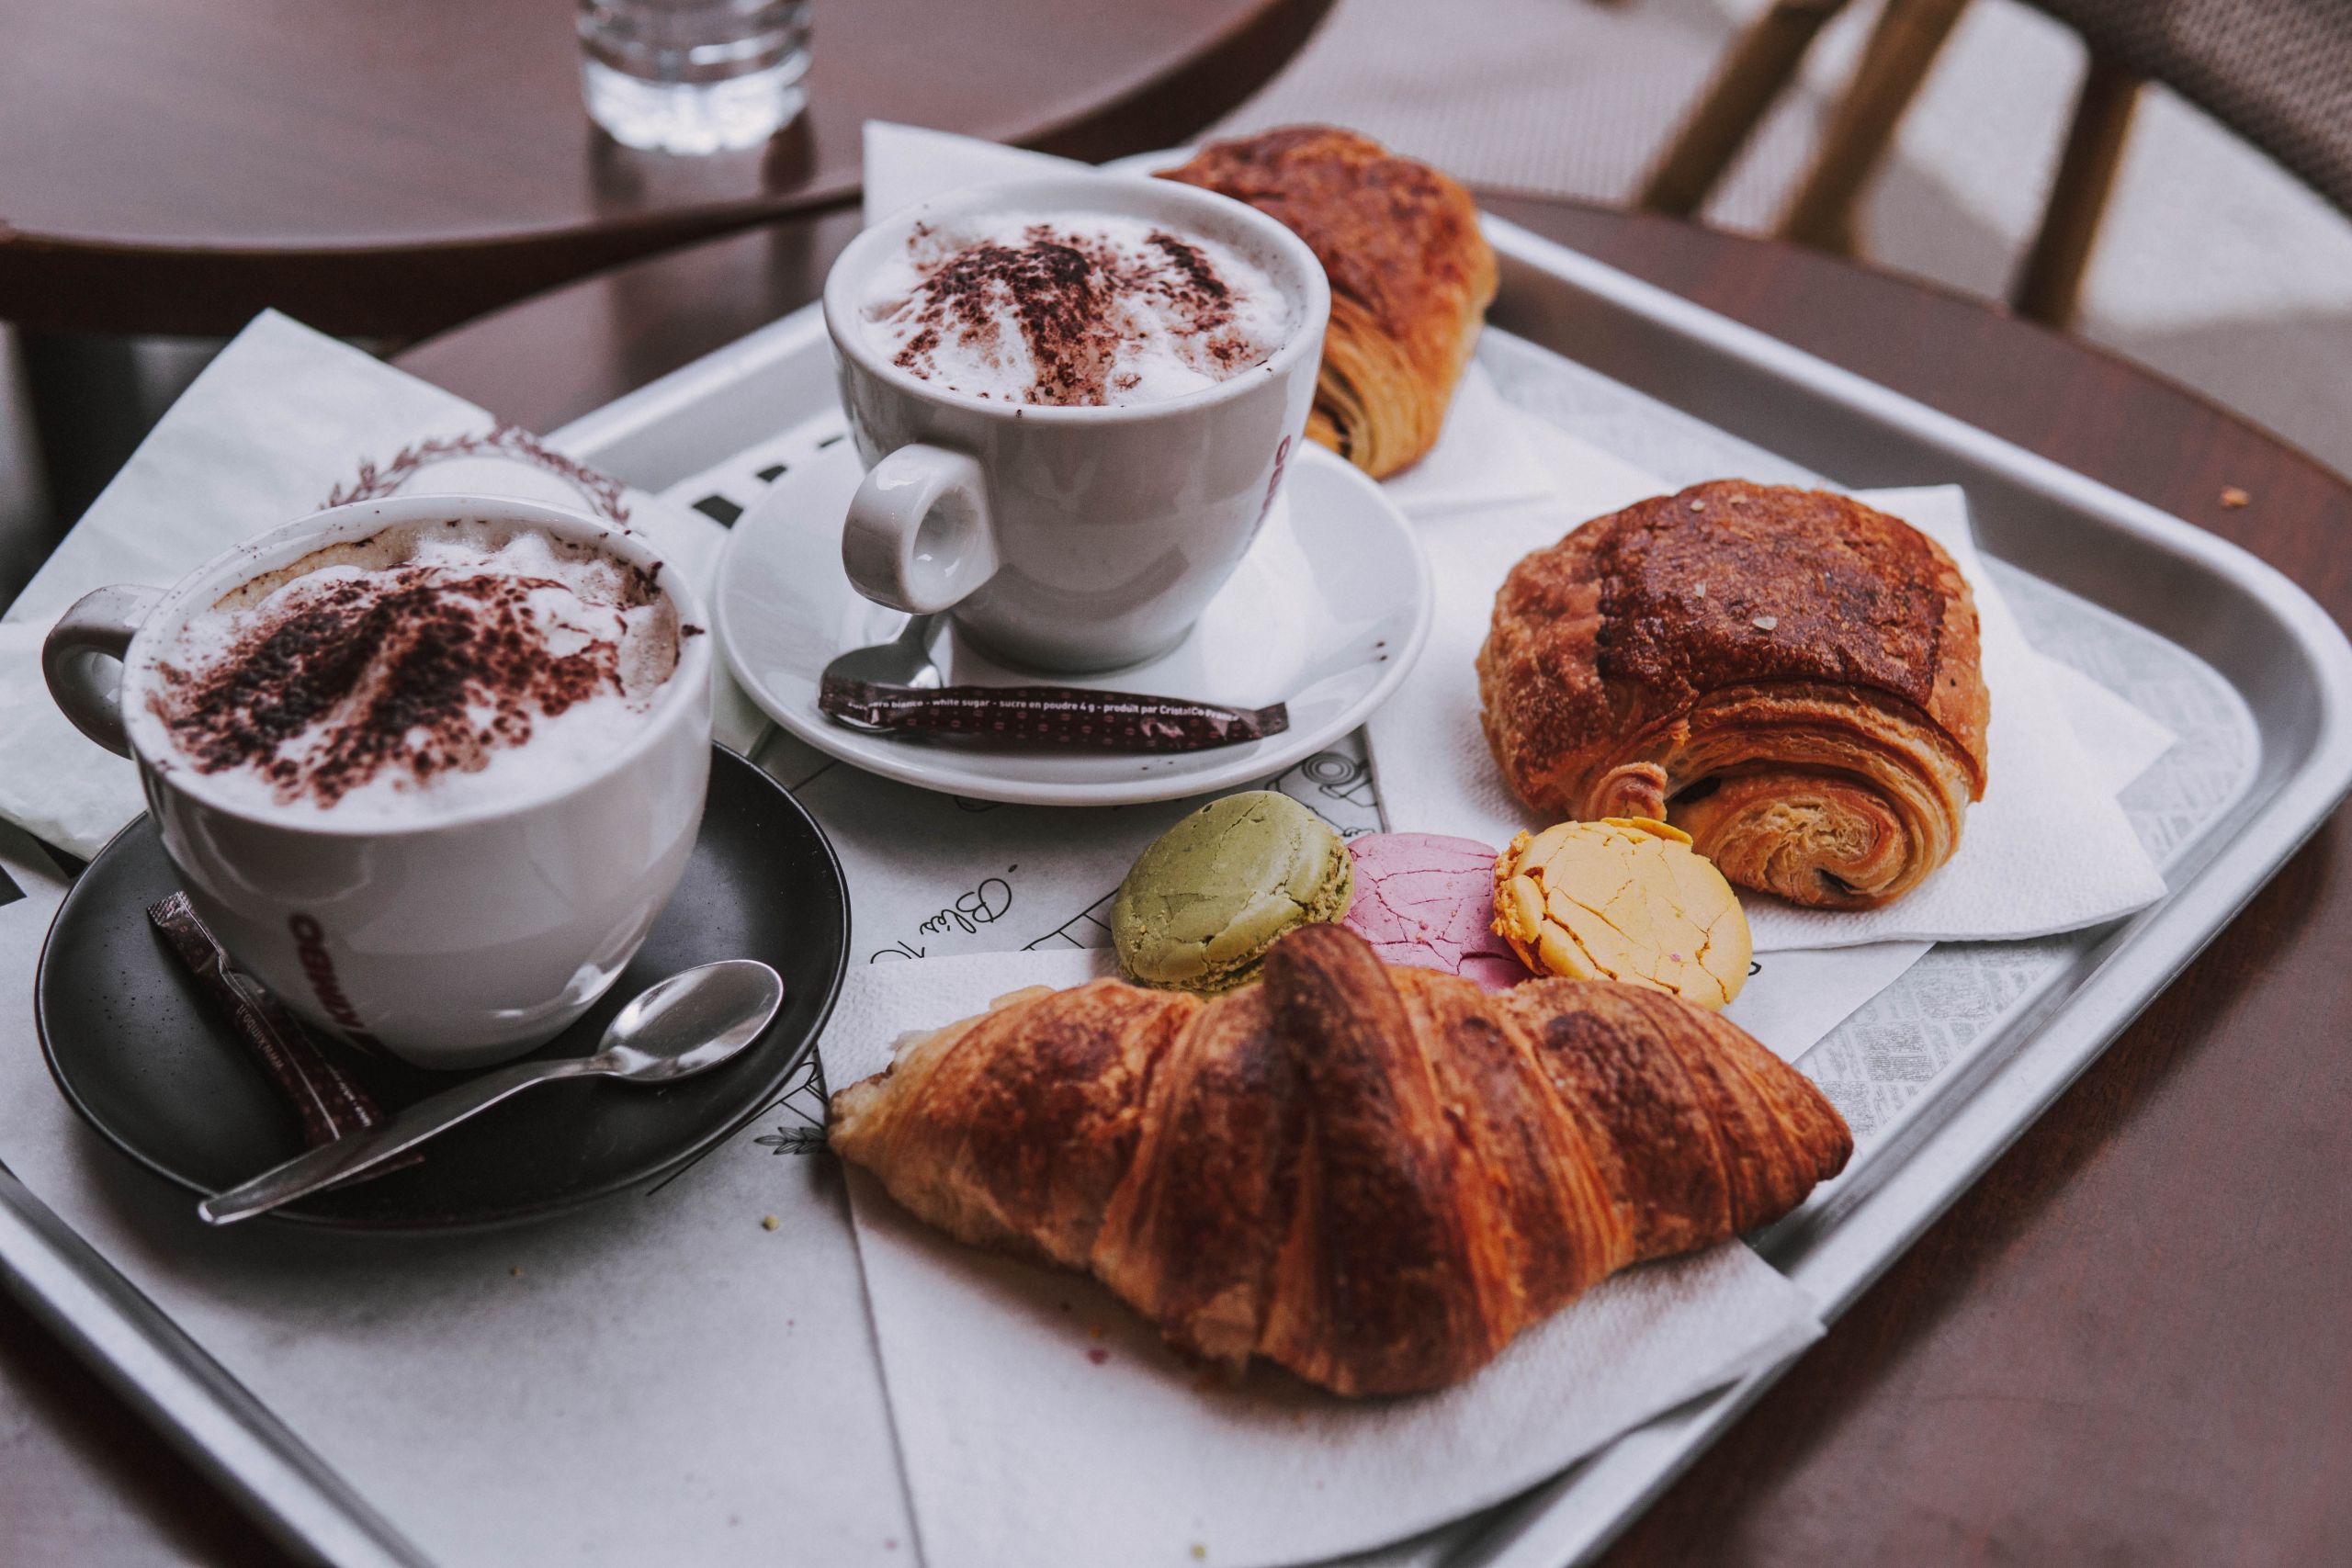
[
  {"x": 1909, "y": 35},
  {"x": 1755, "y": 73},
  {"x": 2050, "y": 284}
]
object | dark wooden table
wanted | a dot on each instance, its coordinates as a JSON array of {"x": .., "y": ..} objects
[
  {"x": 2131, "y": 1342},
  {"x": 385, "y": 168}
]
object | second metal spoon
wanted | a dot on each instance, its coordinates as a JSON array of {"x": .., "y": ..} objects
[{"x": 904, "y": 660}]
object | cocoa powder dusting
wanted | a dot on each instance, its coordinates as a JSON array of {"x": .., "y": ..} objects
[
  {"x": 1074, "y": 299},
  {"x": 417, "y": 671}
]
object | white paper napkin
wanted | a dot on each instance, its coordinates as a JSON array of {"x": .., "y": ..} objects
[
  {"x": 2119, "y": 741},
  {"x": 1481, "y": 458},
  {"x": 907, "y": 163},
  {"x": 1042, "y": 1422},
  {"x": 2047, "y": 848},
  {"x": 1795, "y": 995},
  {"x": 282, "y": 422}
]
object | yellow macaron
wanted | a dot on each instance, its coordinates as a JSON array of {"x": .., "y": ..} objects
[{"x": 1623, "y": 899}]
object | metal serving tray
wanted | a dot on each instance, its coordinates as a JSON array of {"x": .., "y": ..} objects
[{"x": 2274, "y": 661}]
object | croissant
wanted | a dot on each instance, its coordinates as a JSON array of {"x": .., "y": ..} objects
[
  {"x": 1374, "y": 1176},
  {"x": 1786, "y": 675},
  {"x": 1411, "y": 278}
]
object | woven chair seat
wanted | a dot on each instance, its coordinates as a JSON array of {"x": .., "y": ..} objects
[{"x": 2276, "y": 72}]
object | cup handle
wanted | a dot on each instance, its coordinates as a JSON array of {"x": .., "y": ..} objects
[
  {"x": 918, "y": 537},
  {"x": 94, "y": 633}
]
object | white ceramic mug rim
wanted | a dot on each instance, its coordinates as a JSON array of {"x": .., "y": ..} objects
[
  {"x": 1074, "y": 192},
  {"x": 290, "y": 542}
]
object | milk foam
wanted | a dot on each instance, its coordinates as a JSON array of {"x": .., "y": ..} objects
[
  {"x": 428, "y": 669},
  {"x": 1074, "y": 308}
]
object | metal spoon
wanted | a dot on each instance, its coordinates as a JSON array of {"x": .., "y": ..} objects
[
  {"x": 904, "y": 660},
  {"x": 681, "y": 1025}
]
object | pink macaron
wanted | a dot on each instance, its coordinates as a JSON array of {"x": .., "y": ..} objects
[{"x": 1429, "y": 901}]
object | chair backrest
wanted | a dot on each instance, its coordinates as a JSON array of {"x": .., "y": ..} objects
[{"x": 2276, "y": 72}]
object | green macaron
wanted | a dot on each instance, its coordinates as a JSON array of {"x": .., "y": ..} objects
[{"x": 1202, "y": 905}]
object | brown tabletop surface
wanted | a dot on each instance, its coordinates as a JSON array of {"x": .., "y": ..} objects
[
  {"x": 2130, "y": 1342},
  {"x": 388, "y": 167}
]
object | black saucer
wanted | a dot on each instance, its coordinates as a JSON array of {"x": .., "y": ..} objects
[{"x": 147, "y": 1060}]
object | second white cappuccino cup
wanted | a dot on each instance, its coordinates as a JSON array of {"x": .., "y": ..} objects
[
  {"x": 453, "y": 939},
  {"x": 1069, "y": 537}
]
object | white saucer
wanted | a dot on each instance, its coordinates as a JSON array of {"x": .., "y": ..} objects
[{"x": 1325, "y": 614}]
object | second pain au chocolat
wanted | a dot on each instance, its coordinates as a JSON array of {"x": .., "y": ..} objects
[{"x": 1411, "y": 278}]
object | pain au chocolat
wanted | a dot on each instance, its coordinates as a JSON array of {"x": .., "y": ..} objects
[
  {"x": 1411, "y": 278},
  {"x": 1787, "y": 675}
]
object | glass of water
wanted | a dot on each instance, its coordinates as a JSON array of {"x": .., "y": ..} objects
[{"x": 693, "y": 76}]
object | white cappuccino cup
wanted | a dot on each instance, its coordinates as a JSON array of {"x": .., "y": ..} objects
[
  {"x": 1069, "y": 535},
  {"x": 454, "y": 934}
]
